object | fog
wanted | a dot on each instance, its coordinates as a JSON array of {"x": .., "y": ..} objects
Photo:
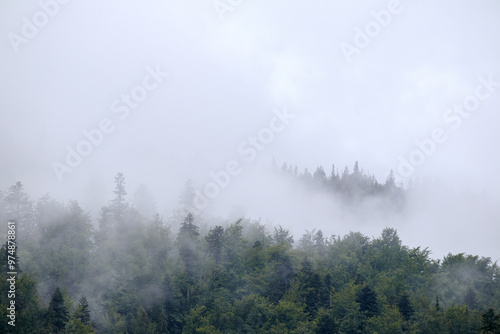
[{"x": 170, "y": 91}]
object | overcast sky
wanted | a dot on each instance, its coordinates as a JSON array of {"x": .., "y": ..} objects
[{"x": 360, "y": 81}]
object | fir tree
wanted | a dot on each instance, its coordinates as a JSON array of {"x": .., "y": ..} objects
[
  {"x": 82, "y": 311},
  {"x": 405, "y": 307},
  {"x": 119, "y": 204},
  {"x": 162, "y": 326},
  {"x": 367, "y": 300},
  {"x": 57, "y": 314},
  {"x": 215, "y": 240},
  {"x": 490, "y": 322}
]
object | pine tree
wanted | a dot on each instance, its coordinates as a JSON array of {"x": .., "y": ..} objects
[
  {"x": 57, "y": 314},
  {"x": 19, "y": 208},
  {"x": 82, "y": 311},
  {"x": 310, "y": 286},
  {"x": 319, "y": 176},
  {"x": 162, "y": 325},
  {"x": 215, "y": 240},
  {"x": 367, "y": 300},
  {"x": 438, "y": 307},
  {"x": 119, "y": 204},
  {"x": 356, "y": 169},
  {"x": 490, "y": 322},
  {"x": 188, "y": 243},
  {"x": 390, "y": 182},
  {"x": 334, "y": 177},
  {"x": 405, "y": 307}
]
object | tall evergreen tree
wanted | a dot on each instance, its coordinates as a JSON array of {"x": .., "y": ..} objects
[
  {"x": 368, "y": 303},
  {"x": 188, "y": 244},
  {"x": 438, "y": 307},
  {"x": 57, "y": 314},
  {"x": 119, "y": 204},
  {"x": 490, "y": 322},
  {"x": 215, "y": 241},
  {"x": 405, "y": 306},
  {"x": 82, "y": 311},
  {"x": 162, "y": 325},
  {"x": 19, "y": 208},
  {"x": 310, "y": 286}
]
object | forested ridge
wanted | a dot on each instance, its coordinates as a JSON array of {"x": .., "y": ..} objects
[{"x": 130, "y": 271}]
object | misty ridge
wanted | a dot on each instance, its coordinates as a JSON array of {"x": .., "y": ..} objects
[{"x": 133, "y": 270}]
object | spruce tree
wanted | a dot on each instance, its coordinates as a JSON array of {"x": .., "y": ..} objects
[
  {"x": 367, "y": 300},
  {"x": 188, "y": 242},
  {"x": 82, "y": 311},
  {"x": 162, "y": 326},
  {"x": 119, "y": 204},
  {"x": 405, "y": 307},
  {"x": 57, "y": 314},
  {"x": 490, "y": 322},
  {"x": 215, "y": 241}
]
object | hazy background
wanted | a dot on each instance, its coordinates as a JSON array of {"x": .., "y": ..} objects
[{"x": 227, "y": 76}]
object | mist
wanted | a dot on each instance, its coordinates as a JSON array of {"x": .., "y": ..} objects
[
  {"x": 200, "y": 105},
  {"x": 224, "y": 72}
]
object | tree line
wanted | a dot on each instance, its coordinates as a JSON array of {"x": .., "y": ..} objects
[{"x": 132, "y": 273}]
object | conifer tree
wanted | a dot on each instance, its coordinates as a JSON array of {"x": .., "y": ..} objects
[
  {"x": 490, "y": 322},
  {"x": 367, "y": 300},
  {"x": 162, "y": 326},
  {"x": 188, "y": 244},
  {"x": 405, "y": 307},
  {"x": 57, "y": 314},
  {"x": 82, "y": 311},
  {"x": 215, "y": 240},
  {"x": 119, "y": 204}
]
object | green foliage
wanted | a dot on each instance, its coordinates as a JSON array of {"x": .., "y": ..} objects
[
  {"x": 57, "y": 314},
  {"x": 215, "y": 241},
  {"x": 287, "y": 317},
  {"x": 29, "y": 312},
  {"x": 490, "y": 322},
  {"x": 76, "y": 326},
  {"x": 326, "y": 322},
  {"x": 82, "y": 311},
  {"x": 389, "y": 322},
  {"x": 251, "y": 312},
  {"x": 405, "y": 307},
  {"x": 188, "y": 244},
  {"x": 282, "y": 236},
  {"x": 234, "y": 277},
  {"x": 310, "y": 287},
  {"x": 368, "y": 304}
]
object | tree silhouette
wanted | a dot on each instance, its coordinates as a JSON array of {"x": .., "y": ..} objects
[
  {"x": 119, "y": 204},
  {"x": 57, "y": 314},
  {"x": 215, "y": 241},
  {"x": 367, "y": 300}
]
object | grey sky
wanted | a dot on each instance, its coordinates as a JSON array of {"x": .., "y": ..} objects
[{"x": 225, "y": 79}]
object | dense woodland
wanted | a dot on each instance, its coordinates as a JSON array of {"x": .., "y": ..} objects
[{"x": 131, "y": 271}]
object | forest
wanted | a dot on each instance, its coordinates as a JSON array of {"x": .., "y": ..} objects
[{"x": 133, "y": 271}]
